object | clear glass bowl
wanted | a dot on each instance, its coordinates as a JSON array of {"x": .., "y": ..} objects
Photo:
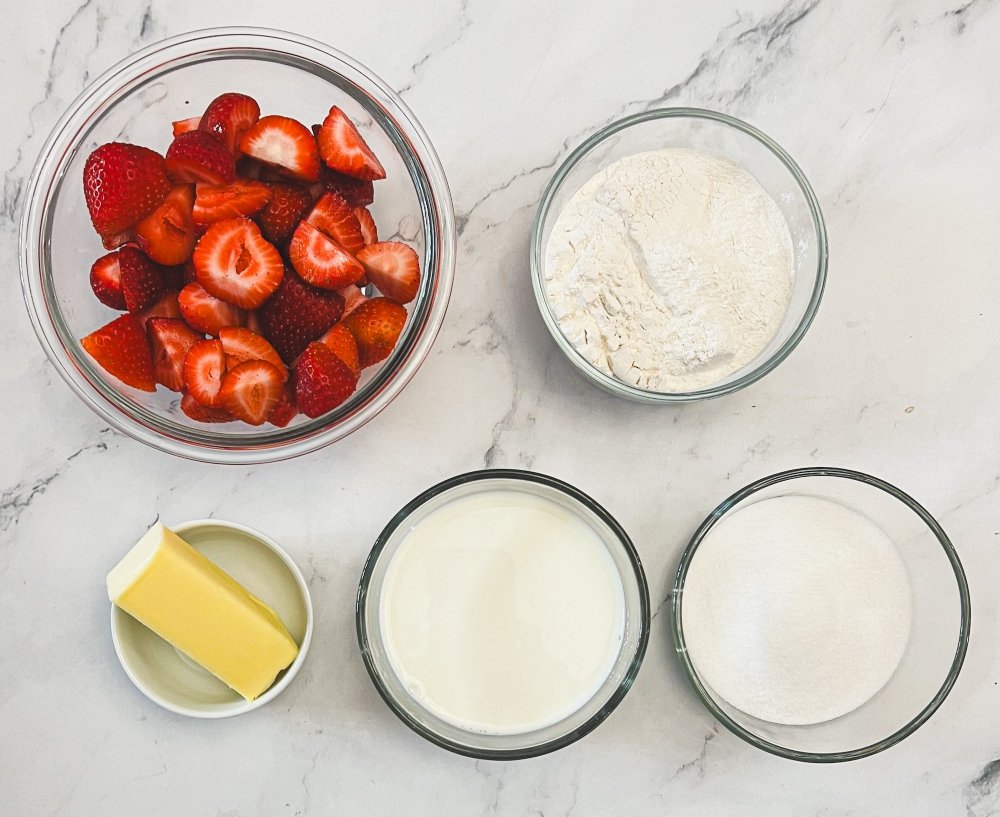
[
  {"x": 939, "y": 636},
  {"x": 136, "y": 101},
  {"x": 717, "y": 134},
  {"x": 507, "y": 746}
]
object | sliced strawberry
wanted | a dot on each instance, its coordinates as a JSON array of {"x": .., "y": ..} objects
[
  {"x": 369, "y": 232},
  {"x": 206, "y": 313},
  {"x": 376, "y": 325},
  {"x": 356, "y": 192},
  {"x": 173, "y": 276},
  {"x": 344, "y": 150},
  {"x": 229, "y": 117},
  {"x": 242, "y": 198},
  {"x": 321, "y": 261},
  {"x": 142, "y": 281},
  {"x": 285, "y": 144},
  {"x": 235, "y": 262},
  {"x": 288, "y": 206},
  {"x": 251, "y": 391},
  {"x": 123, "y": 184},
  {"x": 243, "y": 345},
  {"x": 121, "y": 349},
  {"x": 297, "y": 314},
  {"x": 167, "y": 235},
  {"x": 106, "y": 281},
  {"x": 186, "y": 125},
  {"x": 286, "y": 410},
  {"x": 203, "y": 414},
  {"x": 341, "y": 342},
  {"x": 197, "y": 156},
  {"x": 113, "y": 241},
  {"x": 253, "y": 322},
  {"x": 170, "y": 340},
  {"x": 204, "y": 368},
  {"x": 393, "y": 268},
  {"x": 322, "y": 381},
  {"x": 333, "y": 217},
  {"x": 353, "y": 298},
  {"x": 165, "y": 307}
]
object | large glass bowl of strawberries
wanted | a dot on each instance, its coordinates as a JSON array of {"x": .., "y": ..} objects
[{"x": 238, "y": 245}]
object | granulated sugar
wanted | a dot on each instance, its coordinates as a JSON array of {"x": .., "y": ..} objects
[{"x": 796, "y": 609}]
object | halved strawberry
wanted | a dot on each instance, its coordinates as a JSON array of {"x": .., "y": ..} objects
[
  {"x": 369, "y": 232},
  {"x": 204, "y": 368},
  {"x": 186, "y": 125},
  {"x": 123, "y": 184},
  {"x": 253, "y": 322},
  {"x": 341, "y": 342},
  {"x": 356, "y": 192},
  {"x": 322, "y": 381},
  {"x": 174, "y": 276},
  {"x": 285, "y": 144},
  {"x": 203, "y": 414},
  {"x": 167, "y": 234},
  {"x": 206, "y": 313},
  {"x": 376, "y": 325},
  {"x": 321, "y": 261},
  {"x": 141, "y": 279},
  {"x": 344, "y": 150},
  {"x": 235, "y": 262},
  {"x": 113, "y": 241},
  {"x": 170, "y": 340},
  {"x": 243, "y": 345},
  {"x": 286, "y": 410},
  {"x": 353, "y": 298},
  {"x": 229, "y": 117},
  {"x": 251, "y": 391},
  {"x": 241, "y": 198},
  {"x": 121, "y": 349},
  {"x": 335, "y": 218},
  {"x": 196, "y": 156},
  {"x": 297, "y": 314},
  {"x": 288, "y": 206},
  {"x": 393, "y": 268},
  {"x": 106, "y": 281},
  {"x": 165, "y": 307}
]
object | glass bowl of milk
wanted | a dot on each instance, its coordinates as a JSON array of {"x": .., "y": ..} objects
[
  {"x": 503, "y": 614},
  {"x": 821, "y": 614}
]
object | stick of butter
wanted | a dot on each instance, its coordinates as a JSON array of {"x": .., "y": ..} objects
[{"x": 202, "y": 611}]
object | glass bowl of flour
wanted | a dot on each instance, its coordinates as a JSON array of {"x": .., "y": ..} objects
[
  {"x": 821, "y": 614},
  {"x": 677, "y": 255}
]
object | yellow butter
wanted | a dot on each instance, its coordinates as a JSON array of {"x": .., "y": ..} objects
[{"x": 202, "y": 611}]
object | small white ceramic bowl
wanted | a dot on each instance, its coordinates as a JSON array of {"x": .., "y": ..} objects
[{"x": 169, "y": 678}]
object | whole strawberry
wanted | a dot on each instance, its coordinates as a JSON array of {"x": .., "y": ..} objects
[
  {"x": 123, "y": 184},
  {"x": 322, "y": 381}
]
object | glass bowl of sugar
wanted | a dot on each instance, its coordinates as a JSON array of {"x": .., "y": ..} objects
[
  {"x": 821, "y": 614},
  {"x": 677, "y": 255}
]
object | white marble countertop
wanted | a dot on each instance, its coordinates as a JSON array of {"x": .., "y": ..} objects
[{"x": 891, "y": 110}]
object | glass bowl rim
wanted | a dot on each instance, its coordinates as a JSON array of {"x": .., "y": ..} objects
[
  {"x": 626, "y": 390},
  {"x": 906, "y": 730},
  {"x": 246, "y": 448},
  {"x": 634, "y": 664}
]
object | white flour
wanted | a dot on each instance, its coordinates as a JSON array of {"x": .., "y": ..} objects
[
  {"x": 670, "y": 269},
  {"x": 796, "y": 609}
]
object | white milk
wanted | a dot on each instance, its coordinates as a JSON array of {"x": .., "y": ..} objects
[{"x": 502, "y": 612}]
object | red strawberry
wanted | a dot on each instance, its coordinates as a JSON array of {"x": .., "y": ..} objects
[
  {"x": 243, "y": 345},
  {"x": 165, "y": 307},
  {"x": 235, "y": 262},
  {"x": 121, "y": 349},
  {"x": 167, "y": 234},
  {"x": 242, "y": 198},
  {"x": 206, "y": 313},
  {"x": 297, "y": 314},
  {"x": 229, "y": 117},
  {"x": 170, "y": 340},
  {"x": 321, "y": 261},
  {"x": 353, "y": 298},
  {"x": 286, "y": 410},
  {"x": 376, "y": 326},
  {"x": 344, "y": 150},
  {"x": 253, "y": 322},
  {"x": 369, "y": 232},
  {"x": 203, "y": 414},
  {"x": 285, "y": 144},
  {"x": 123, "y": 184},
  {"x": 322, "y": 381},
  {"x": 204, "y": 368},
  {"x": 186, "y": 125},
  {"x": 393, "y": 268},
  {"x": 288, "y": 206},
  {"x": 251, "y": 391},
  {"x": 142, "y": 282},
  {"x": 341, "y": 342},
  {"x": 106, "y": 281},
  {"x": 196, "y": 156},
  {"x": 333, "y": 217},
  {"x": 115, "y": 240},
  {"x": 173, "y": 276},
  {"x": 356, "y": 192}
]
